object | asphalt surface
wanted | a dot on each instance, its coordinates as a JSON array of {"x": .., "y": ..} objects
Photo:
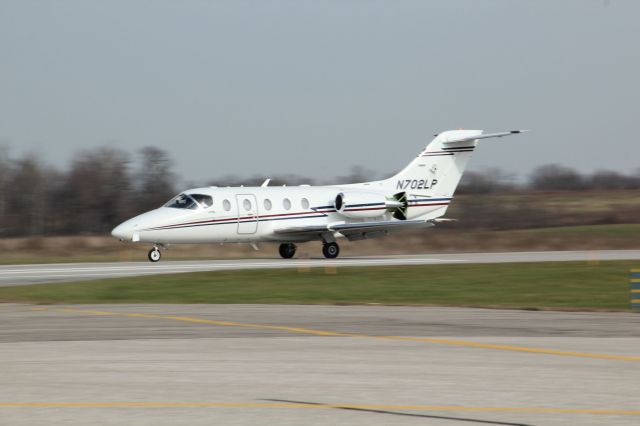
[
  {"x": 316, "y": 365},
  {"x": 34, "y": 274}
]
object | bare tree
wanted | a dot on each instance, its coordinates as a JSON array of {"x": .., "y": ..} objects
[
  {"x": 96, "y": 195},
  {"x": 605, "y": 179},
  {"x": 357, "y": 174},
  {"x": 154, "y": 179},
  {"x": 26, "y": 200},
  {"x": 5, "y": 173},
  {"x": 488, "y": 181},
  {"x": 554, "y": 177},
  {"x": 257, "y": 180}
]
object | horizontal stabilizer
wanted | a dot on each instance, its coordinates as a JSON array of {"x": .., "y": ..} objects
[
  {"x": 485, "y": 136},
  {"x": 443, "y": 220}
]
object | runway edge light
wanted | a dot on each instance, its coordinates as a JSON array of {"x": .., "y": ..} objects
[{"x": 634, "y": 289}]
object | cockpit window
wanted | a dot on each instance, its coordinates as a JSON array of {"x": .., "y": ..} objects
[
  {"x": 202, "y": 199},
  {"x": 190, "y": 201},
  {"x": 182, "y": 201}
]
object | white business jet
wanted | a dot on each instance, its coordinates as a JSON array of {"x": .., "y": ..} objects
[{"x": 415, "y": 198}]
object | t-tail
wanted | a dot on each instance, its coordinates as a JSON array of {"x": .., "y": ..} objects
[{"x": 430, "y": 180}]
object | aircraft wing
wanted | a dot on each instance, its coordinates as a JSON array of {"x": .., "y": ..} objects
[{"x": 357, "y": 231}]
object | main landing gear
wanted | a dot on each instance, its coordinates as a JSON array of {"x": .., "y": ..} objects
[
  {"x": 287, "y": 250},
  {"x": 330, "y": 250},
  {"x": 154, "y": 254}
]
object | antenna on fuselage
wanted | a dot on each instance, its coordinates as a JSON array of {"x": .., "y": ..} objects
[{"x": 266, "y": 182}]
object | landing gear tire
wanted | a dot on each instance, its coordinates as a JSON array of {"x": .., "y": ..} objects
[
  {"x": 287, "y": 250},
  {"x": 330, "y": 250},
  {"x": 154, "y": 254}
]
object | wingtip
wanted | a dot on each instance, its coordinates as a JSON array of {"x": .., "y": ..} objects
[{"x": 518, "y": 131}]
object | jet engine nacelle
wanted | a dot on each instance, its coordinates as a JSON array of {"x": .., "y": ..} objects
[{"x": 364, "y": 205}]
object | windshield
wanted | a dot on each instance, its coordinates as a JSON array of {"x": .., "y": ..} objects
[
  {"x": 182, "y": 201},
  {"x": 202, "y": 199}
]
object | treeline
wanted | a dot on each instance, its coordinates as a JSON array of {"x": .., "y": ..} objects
[
  {"x": 104, "y": 186},
  {"x": 550, "y": 177},
  {"x": 101, "y": 188}
]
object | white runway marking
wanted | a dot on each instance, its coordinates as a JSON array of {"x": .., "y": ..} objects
[{"x": 32, "y": 274}]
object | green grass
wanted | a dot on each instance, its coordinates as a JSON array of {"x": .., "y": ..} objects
[{"x": 550, "y": 285}]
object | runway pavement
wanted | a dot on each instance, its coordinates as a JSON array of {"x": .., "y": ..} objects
[
  {"x": 316, "y": 365},
  {"x": 33, "y": 274}
]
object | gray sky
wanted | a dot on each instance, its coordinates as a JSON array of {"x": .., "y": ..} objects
[{"x": 314, "y": 87}]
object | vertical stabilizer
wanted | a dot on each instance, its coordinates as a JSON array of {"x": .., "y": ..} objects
[{"x": 437, "y": 170}]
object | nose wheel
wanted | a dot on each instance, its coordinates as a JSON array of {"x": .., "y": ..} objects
[
  {"x": 330, "y": 250},
  {"x": 287, "y": 250},
  {"x": 154, "y": 254}
]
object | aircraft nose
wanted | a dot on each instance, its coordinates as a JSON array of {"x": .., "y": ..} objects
[
  {"x": 124, "y": 231},
  {"x": 133, "y": 229}
]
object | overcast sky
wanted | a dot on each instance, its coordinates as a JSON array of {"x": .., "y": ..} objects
[{"x": 315, "y": 87}]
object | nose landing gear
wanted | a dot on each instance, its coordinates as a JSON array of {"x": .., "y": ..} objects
[{"x": 154, "y": 254}]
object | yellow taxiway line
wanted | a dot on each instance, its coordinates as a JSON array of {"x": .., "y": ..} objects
[{"x": 453, "y": 342}]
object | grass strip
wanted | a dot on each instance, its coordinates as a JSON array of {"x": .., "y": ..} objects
[{"x": 545, "y": 285}]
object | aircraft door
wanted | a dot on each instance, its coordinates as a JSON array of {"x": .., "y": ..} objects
[{"x": 247, "y": 213}]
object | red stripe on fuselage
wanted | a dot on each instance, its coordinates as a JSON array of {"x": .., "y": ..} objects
[
  {"x": 258, "y": 217},
  {"x": 427, "y": 205},
  {"x": 235, "y": 219}
]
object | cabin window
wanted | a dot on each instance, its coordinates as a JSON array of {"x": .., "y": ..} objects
[
  {"x": 202, "y": 199},
  {"x": 246, "y": 204},
  {"x": 267, "y": 204},
  {"x": 305, "y": 203},
  {"x": 226, "y": 205},
  {"x": 286, "y": 203},
  {"x": 182, "y": 201}
]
